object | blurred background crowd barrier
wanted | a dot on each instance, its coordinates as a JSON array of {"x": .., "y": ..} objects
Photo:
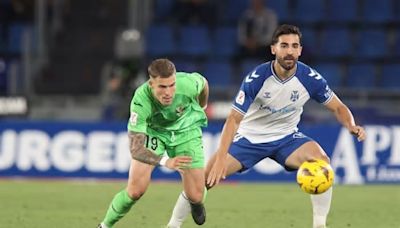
[{"x": 74, "y": 65}]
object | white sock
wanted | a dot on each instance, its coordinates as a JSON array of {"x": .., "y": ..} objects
[
  {"x": 321, "y": 204},
  {"x": 180, "y": 212}
]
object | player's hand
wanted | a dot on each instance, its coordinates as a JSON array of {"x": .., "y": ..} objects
[
  {"x": 358, "y": 131},
  {"x": 179, "y": 163},
  {"x": 218, "y": 171}
]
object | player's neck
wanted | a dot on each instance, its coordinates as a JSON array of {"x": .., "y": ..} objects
[{"x": 281, "y": 72}]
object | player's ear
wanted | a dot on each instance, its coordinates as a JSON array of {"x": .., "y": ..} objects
[{"x": 273, "y": 49}]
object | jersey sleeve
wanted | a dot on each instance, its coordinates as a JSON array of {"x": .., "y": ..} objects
[
  {"x": 321, "y": 91},
  {"x": 199, "y": 82},
  {"x": 249, "y": 89},
  {"x": 140, "y": 110}
]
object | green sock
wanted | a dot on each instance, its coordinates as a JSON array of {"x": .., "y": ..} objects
[{"x": 118, "y": 208}]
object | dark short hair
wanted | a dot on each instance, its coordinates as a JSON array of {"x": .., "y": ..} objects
[
  {"x": 285, "y": 29},
  {"x": 163, "y": 68}
]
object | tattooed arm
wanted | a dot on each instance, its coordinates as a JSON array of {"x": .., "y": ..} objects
[{"x": 140, "y": 153}]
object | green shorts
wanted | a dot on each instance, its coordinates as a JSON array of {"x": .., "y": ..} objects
[{"x": 186, "y": 144}]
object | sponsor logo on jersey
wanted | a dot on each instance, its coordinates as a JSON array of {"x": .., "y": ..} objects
[
  {"x": 133, "y": 118},
  {"x": 267, "y": 95},
  {"x": 294, "y": 96},
  {"x": 277, "y": 110},
  {"x": 240, "y": 97}
]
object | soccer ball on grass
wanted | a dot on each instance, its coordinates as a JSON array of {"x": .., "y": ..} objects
[{"x": 315, "y": 177}]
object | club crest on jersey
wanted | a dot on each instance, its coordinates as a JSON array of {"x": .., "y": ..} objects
[
  {"x": 179, "y": 110},
  {"x": 240, "y": 97},
  {"x": 294, "y": 96},
  {"x": 133, "y": 118}
]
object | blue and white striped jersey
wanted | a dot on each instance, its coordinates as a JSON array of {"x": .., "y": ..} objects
[{"x": 271, "y": 107}]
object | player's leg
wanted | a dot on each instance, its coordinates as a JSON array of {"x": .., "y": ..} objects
[
  {"x": 193, "y": 184},
  {"x": 183, "y": 208},
  {"x": 139, "y": 179},
  {"x": 321, "y": 203},
  {"x": 193, "y": 188}
]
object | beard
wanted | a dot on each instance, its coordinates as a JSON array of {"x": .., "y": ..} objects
[{"x": 285, "y": 65}]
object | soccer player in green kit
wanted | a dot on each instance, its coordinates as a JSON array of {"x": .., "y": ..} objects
[{"x": 167, "y": 113}]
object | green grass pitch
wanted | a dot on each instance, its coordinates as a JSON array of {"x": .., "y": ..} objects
[{"x": 65, "y": 204}]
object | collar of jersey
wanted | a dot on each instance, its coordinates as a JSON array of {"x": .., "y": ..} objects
[{"x": 276, "y": 76}]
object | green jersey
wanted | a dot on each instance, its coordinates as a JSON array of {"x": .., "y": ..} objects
[{"x": 184, "y": 115}]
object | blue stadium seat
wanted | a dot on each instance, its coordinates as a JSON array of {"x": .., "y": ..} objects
[
  {"x": 396, "y": 48},
  {"x": 218, "y": 74},
  {"x": 231, "y": 10},
  {"x": 225, "y": 42},
  {"x": 331, "y": 72},
  {"x": 377, "y": 11},
  {"x": 309, "y": 11},
  {"x": 186, "y": 66},
  {"x": 194, "y": 41},
  {"x": 3, "y": 77},
  {"x": 160, "y": 41},
  {"x": 163, "y": 9},
  {"x": 361, "y": 76},
  {"x": 372, "y": 43},
  {"x": 15, "y": 37},
  {"x": 336, "y": 42},
  {"x": 309, "y": 41},
  {"x": 342, "y": 11},
  {"x": 391, "y": 76},
  {"x": 280, "y": 7}
]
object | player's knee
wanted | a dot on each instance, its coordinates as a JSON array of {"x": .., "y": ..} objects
[
  {"x": 321, "y": 156},
  {"x": 136, "y": 194},
  {"x": 195, "y": 196}
]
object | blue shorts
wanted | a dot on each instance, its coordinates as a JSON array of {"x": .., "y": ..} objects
[{"x": 249, "y": 154}]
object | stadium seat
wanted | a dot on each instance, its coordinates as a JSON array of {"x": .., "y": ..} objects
[
  {"x": 396, "y": 48},
  {"x": 309, "y": 11},
  {"x": 163, "y": 9},
  {"x": 218, "y": 74},
  {"x": 331, "y": 72},
  {"x": 225, "y": 42},
  {"x": 390, "y": 76},
  {"x": 194, "y": 41},
  {"x": 372, "y": 43},
  {"x": 15, "y": 37},
  {"x": 309, "y": 41},
  {"x": 342, "y": 11},
  {"x": 186, "y": 66},
  {"x": 231, "y": 10},
  {"x": 336, "y": 42},
  {"x": 377, "y": 11},
  {"x": 361, "y": 76},
  {"x": 3, "y": 77},
  {"x": 280, "y": 7},
  {"x": 160, "y": 41}
]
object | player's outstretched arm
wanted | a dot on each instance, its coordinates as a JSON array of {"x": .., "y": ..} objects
[
  {"x": 140, "y": 153},
  {"x": 218, "y": 170},
  {"x": 345, "y": 117}
]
